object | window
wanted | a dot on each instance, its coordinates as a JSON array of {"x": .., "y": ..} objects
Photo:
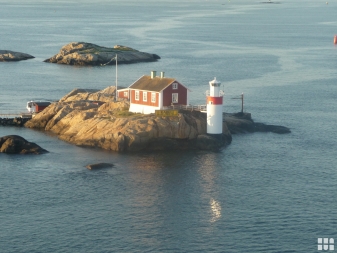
[
  {"x": 174, "y": 97},
  {"x": 144, "y": 96},
  {"x": 174, "y": 86},
  {"x": 137, "y": 95},
  {"x": 153, "y": 97},
  {"x": 125, "y": 94}
]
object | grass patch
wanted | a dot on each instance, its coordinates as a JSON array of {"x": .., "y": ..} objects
[{"x": 124, "y": 114}]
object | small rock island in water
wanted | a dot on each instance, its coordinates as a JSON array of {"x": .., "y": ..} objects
[
  {"x": 82, "y": 53},
  {"x": 14, "y": 144},
  {"x": 91, "y": 118},
  {"x": 7, "y": 55}
]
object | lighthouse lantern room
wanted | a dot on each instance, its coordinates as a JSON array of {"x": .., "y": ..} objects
[{"x": 214, "y": 108}]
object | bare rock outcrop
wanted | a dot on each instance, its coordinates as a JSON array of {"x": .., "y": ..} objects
[
  {"x": 82, "y": 53},
  {"x": 14, "y": 144},
  {"x": 7, "y": 55},
  {"x": 109, "y": 125},
  {"x": 243, "y": 123}
]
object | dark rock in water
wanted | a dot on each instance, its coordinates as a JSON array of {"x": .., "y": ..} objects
[
  {"x": 156, "y": 57},
  {"x": 98, "y": 166},
  {"x": 201, "y": 142},
  {"x": 17, "y": 121},
  {"x": 212, "y": 142},
  {"x": 260, "y": 127},
  {"x": 243, "y": 123},
  {"x": 14, "y": 144},
  {"x": 7, "y": 55},
  {"x": 162, "y": 143}
]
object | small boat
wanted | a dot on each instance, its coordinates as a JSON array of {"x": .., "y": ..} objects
[{"x": 37, "y": 106}]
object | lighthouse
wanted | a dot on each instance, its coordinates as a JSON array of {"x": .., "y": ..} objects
[{"x": 214, "y": 108}]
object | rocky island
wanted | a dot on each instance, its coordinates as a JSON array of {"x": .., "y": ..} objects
[
  {"x": 14, "y": 144},
  {"x": 7, "y": 55},
  {"x": 91, "y": 118},
  {"x": 82, "y": 53}
]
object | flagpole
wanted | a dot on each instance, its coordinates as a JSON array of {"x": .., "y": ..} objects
[{"x": 116, "y": 80}]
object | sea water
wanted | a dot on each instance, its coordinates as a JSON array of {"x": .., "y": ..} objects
[{"x": 263, "y": 193}]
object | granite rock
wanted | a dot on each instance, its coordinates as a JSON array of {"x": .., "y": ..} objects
[
  {"x": 82, "y": 53},
  {"x": 14, "y": 144},
  {"x": 7, "y": 55}
]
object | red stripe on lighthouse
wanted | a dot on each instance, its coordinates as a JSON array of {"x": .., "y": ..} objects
[{"x": 214, "y": 100}]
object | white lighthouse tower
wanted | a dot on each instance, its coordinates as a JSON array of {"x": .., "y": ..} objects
[{"x": 214, "y": 108}]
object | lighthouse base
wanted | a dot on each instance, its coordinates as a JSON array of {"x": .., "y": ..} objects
[
  {"x": 213, "y": 141},
  {"x": 217, "y": 136}
]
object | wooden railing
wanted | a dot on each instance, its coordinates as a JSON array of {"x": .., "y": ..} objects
[{"x": 186, "y": 107}]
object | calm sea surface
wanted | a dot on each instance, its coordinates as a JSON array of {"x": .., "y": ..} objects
[{"x": 263, "y": 193}]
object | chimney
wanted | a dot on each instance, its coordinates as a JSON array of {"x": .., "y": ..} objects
[
  {"x": 153, "y": 74},
  {"x": 162, "y": 74}
]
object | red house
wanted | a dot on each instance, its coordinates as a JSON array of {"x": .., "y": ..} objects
[{"x": 150, "y": 93}]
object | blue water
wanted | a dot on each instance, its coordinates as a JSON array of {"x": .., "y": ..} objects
[{"x": 263, "y": 193}]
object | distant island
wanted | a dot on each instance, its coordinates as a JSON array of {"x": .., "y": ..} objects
[
  {"x": 7, "y": 55},
  {"x": 91, "y": 118},
  {"x": 87, "y": 54},
  {"x": 84, "y": 54}
]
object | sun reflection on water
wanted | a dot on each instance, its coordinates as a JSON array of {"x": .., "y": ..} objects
[
  {"x": 210, "y": 164},
  {"x": 215, "y": 209}
]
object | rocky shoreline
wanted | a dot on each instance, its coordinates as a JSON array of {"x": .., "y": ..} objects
[
  {"x": 17, "y": 121},
  {"x": 243, "y": 123},
  {"x": 89, "y": 118}
]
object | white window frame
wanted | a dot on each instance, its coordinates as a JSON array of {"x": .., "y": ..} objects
[
  {"x": 175, "y": 98},
  {"x": 126, "y": 94},
  {"x": 153, "y": 97},
  {"x": 174, "y": 86},
  {"x": 137, "y": 95},
  {"x": 145, "y": 96}
]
